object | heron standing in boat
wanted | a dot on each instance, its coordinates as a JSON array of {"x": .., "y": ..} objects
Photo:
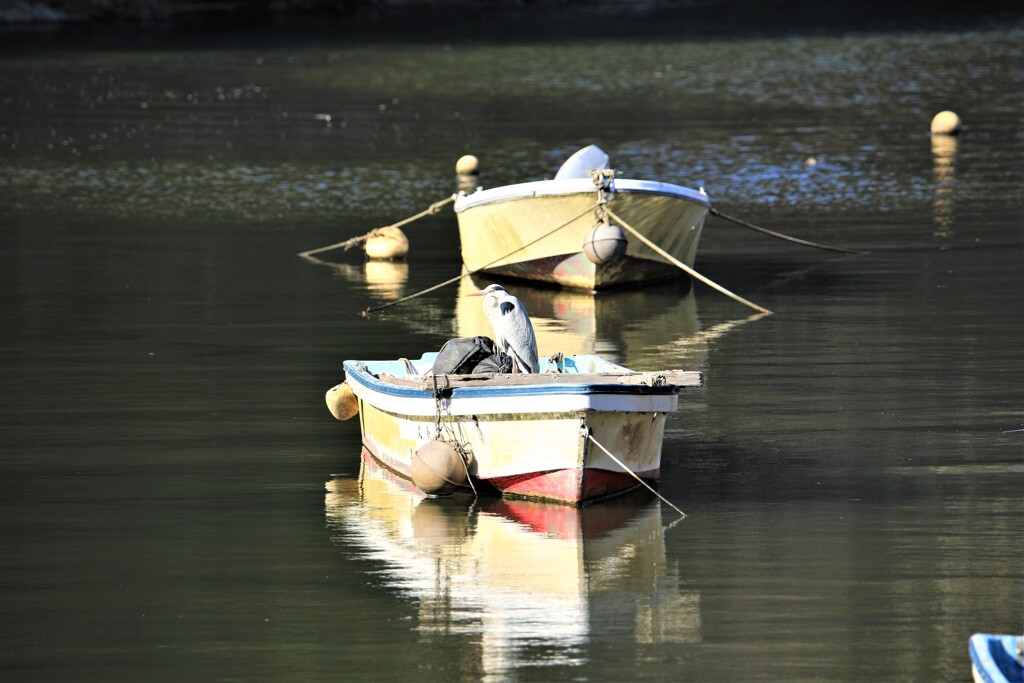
[{"x": 513, "y": 331}]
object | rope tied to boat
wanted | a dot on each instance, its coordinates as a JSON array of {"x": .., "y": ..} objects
[
  {"x": 778, "y": 235},
  {"x": 438, "y": 398},
  {"x": 353, "y": 241},
  {"x": 556, "y": 363},
  {"x": 687, "y": 269},
  {"x": 589, "y": 434},
  {"x": 602, "y": 178},
  {"x": 373, "y": 309},
  {"x": 444, "y": 432}
]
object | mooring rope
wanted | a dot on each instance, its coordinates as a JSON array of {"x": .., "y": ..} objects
[
  {"x": 690, "y": 271},
  {"x": 779, "y": 235},
  {"x": 374, "y": 309},
  {"x": 353, "y": 241},
  {"x": 452, "y": 439},
  {"x": 635, "y": 475}
]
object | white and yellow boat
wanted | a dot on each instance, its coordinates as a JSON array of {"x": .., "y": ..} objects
[
  {"x": 556, "y": 231},
  {"x": 535, "y": 435}
]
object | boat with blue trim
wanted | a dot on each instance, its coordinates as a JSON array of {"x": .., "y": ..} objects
[
  {"x": 581, "y": 429},
  {"x": 557, "y": 230},
  {"x": 997, "y": 658}
]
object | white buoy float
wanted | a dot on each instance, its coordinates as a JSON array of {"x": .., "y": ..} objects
[
  {"x": 946, "y": 123},
  {"x": 605, "y": 243},
  {"x": 387, "y": 243},
  {"x": 342, "y": 403},
  {"x": 438, "y": 469}
]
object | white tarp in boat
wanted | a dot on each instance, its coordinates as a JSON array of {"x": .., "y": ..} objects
[{"x": 580, "y": 164}]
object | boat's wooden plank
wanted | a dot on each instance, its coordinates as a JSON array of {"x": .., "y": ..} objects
[
  {"x": 675, "y": 378},
  {"x": 415, "y": 383}
]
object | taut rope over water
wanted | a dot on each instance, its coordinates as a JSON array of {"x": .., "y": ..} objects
[
  {"x": 690, "y": 271},
  {"x": 635, "y": 475},
  {"x": 779, "y": 235},
  {"x": 374, "y": 309},
  {"x": 465, "y": 454},
  {"x": 353, "y": 241}
]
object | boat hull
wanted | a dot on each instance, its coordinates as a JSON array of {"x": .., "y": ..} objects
[
  {"x": 540, "y": 456},
  {"x": 535, "y": 231},
  {"x": 528, "y": 442},
  {"x": 996, "y": 658}
]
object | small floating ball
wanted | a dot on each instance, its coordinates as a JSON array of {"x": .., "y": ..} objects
[
  {"x": 437, "y": 468},
  {"x": 342, "y": 403},
  {"x": 946, "y": 123},
  {"x": 467, "y": 165},
  {"x": 387, "y": 243},
  {"x": 606, "y": 242}
]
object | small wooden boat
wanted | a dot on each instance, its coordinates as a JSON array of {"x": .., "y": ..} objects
[
  {"x": 542, "y": 436},
  {"x": 997, "y": 658},
  {"x": 555, "y": 231}
]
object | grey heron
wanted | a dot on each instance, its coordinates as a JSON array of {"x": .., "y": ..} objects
[{"x": 513, "y": 331}]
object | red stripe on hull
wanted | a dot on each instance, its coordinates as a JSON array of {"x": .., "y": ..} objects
[
  {"x": 571, "y": 486},
  {"x": 568, "y": 486}
]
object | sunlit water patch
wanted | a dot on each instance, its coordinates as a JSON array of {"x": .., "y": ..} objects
[{"x": 221, "y": 192}]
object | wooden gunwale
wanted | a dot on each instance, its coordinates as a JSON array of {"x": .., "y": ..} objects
[{"x": 666, "y": 378}]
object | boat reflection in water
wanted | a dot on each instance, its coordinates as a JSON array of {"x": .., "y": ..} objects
[
  {"x": 512, "y": 575},
  {"x": 614, "y": 324},
  {"x": 656, "y": 326}
]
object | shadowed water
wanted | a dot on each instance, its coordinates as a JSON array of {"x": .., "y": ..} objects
[{"x": 176, "y": 501}]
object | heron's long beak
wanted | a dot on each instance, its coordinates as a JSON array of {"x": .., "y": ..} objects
[{"x": 480, "y": 293}]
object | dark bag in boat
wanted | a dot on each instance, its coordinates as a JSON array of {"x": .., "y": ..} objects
[
  {"x": 495, "y": 364},
  {"x": 471, "y": 356}
]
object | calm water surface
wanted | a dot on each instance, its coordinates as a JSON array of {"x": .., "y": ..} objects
[{"x": 177, "y": 503}]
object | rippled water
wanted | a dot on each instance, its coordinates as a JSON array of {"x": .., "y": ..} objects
[{"x": 176, "y": 502}]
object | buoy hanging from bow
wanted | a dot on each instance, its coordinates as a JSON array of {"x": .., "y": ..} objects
[
  {"x": 438, "y": 469},
  {"x": 342, "y": 403},
  {"x": 605, "y": 243}
]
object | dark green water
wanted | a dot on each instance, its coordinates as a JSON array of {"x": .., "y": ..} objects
[{"x": 176, "y": 502}]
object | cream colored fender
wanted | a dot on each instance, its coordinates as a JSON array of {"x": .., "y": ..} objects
[{"x": 342, "y": 403}]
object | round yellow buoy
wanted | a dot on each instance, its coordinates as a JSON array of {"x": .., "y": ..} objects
[
  {"x": 467, "y": 172},
  {"x": 467, "y": 165},
  {"x": 342, "y": 403},
  {"x": 438, "y": 469},
  {"x": 946, "y": 123},
  {"x": 387, "y": 243}
]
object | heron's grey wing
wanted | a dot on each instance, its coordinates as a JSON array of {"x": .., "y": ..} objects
[{"x": 518, "y": 331}]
